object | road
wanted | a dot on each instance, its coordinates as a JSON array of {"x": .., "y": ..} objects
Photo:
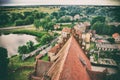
[{"x": 16, "y": 27}]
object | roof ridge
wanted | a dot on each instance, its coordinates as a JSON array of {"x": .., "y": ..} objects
[
  {"x": 63, "y": 58},
  {"x": 66, "y": 53}
]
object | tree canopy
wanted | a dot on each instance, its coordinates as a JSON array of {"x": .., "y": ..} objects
[{"x": 3, "y": 63}]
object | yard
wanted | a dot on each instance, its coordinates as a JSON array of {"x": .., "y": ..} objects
[{"x": 19, "y": 70}]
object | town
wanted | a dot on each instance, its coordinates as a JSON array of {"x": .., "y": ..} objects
[{"x": 60, "y": 43}]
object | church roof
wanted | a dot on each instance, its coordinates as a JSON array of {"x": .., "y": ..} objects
[{"x": 71, "y": 63}]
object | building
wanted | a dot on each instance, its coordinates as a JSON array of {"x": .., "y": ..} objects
[
  {"x": 57, "y": 26},
  {"x": 80, "y": 26},
  {"x": 70, "y": 63},
  {"x": 106, "y": 47},
  {"x": 53, "y": 51},
  {"x": 65, "y": 32},
  {"x": 77, "y": 17},
  {"x": 116, "y": 36}
]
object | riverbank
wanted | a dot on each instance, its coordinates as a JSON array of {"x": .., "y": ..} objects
[{"x": 29, "y": 31}]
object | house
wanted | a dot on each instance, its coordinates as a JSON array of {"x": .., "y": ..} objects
[
  {"x": 65, "y": 32},
  {"x": 87, "y": 24},
  {"x": 77, "y": 17},
  {"x": 106, "y": 47},
  {"x": 116, "y": 36},
  {"x": 80, "y": 26},
  {"x": 56, "y": 26},
  {"x": 71, "y": 63},
  {"x": 53, "y": 51},
  {"x": 87, "y": 37}
]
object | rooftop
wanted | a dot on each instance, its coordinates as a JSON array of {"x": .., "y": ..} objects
[
  {"x": 54, "y": 49},
  {"x": 66, "y": 29},
  {"x": 71, "y": 60}
]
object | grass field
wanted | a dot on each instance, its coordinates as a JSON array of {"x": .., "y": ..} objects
[
  {"x": 46, "y": 9},
  {"x": 19, "y": 75},
  {"x": 16, "y": 63},
  {"x": 29, "y": 31}
]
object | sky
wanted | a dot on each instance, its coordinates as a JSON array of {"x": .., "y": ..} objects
[{"x": 58, "y": 2}]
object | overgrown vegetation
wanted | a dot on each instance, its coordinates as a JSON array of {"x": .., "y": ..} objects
[{"x": 16, "y": 63}]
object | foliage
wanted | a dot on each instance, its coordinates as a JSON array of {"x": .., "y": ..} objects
[
  {"x": 45, "y": 58},
  {"x": 16, "y": 63},
  {"x": 98, "y": 18},
  {"x": 47, "y": 23},
  {"x": 30, "y": 46},
  {"x": 46, "y": 38},
  {"x": 102, "y": 28},
  {"x": 65, "y": 19},
  {"x": 3, "y": 63},
  {"x": 111, "y": 40},
  {"x": 25, "y": 49},
  {"x": 37, "y": 24},
  {"x": 10, "y": 15},
  {"x": 19, "y": 22},
  {"x": 4, "y": 19}
]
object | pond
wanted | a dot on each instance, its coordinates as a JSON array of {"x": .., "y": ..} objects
[{"x": 12, "y": 41}]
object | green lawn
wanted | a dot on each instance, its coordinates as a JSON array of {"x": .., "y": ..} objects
[
  {"x": 19, "y": 75},
  {"x": 16, "y": 63},
  {"x": 45, "y": 58},
  {"x": 45, "y": 9}
]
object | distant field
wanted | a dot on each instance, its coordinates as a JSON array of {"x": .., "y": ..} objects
[{"x": 45, "y": 9}]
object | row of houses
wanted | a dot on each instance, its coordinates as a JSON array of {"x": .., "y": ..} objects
[{"x": 106, "y": 47}]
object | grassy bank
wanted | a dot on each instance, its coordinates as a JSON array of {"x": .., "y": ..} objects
[
  {"x": 15, "y": 73},
  {"x": 24, "y": 31},
  {"x": 15, "y": 64}
]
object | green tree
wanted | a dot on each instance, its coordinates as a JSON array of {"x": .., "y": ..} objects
[
  {"x": 29, "y": 20},
  {"x": 111, "y": 40},
  {"x": 3, "y": 63},
  {"x": 98, "y": 18},
  {"x": 45, "y": 39},
  {"x": 30, "y": 45},
  {"x": 23, "y": 49},
  {"x": 98, "y": 26},
  {"x": 37, "y": 24},
  {"x": 19, "y": 22},
  {"x": 4, "y": 19}
]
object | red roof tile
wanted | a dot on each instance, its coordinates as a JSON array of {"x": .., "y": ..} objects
[
  {"x": 115, "y": 35},
  {"x": 78, "y": 32},
  {"x": 42, "y": 67},
  {"x": 55, "y": 49},
  {"x": 95, "y": 75},
  {"x": 66, "y": 29},
  {"x": 71, "y": 63},
  {"x": 39, "y": 56}
]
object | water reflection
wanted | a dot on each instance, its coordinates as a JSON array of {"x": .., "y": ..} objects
[{"x": 12, "y": 41}]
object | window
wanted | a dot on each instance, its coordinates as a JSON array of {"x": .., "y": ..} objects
[{"x": 82, "y": 61}]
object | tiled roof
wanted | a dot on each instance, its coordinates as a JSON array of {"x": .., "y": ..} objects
[
  {"x": 54, "y": 49},
  {"x": 115, "y": 35},
  {"x": 71, "y": 63},
  {"x": 66, "y": 29},
  {"x": 39, "y": 56},
  {"x": 78, "y": 32},
  {"x": 95, "y": 75},
  {"x": 42, "y": 67}
]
